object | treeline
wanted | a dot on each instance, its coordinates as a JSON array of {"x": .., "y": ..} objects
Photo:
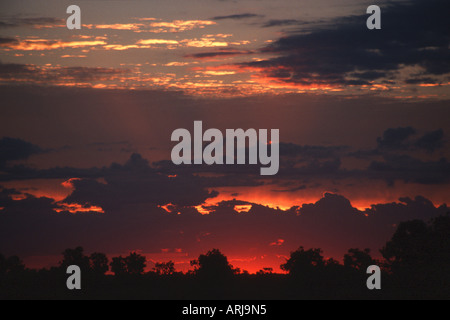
[{"x": 416, "y": 265}]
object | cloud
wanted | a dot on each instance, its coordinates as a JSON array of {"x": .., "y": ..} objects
[
  {"x": 181, "y": 25},
  {"x": 31, "y": 227},
  {"x": 395, "y": 138},
  {"x": 409, "y": 169},
  {"x": 136, "y": 182},
  {"x": 431, "y": 141},
  {"x": 280, "y": 23},
  {"x": 157, "y": 41},
  {"x": 43, "y": 44},
  {"x": 308, "y": 151},
  {"x": 16, "y": 149},
  {"x": 404, "y": 139},
  {"x": 7, "y": 41},
  {"x": 22, "y": 73},
  {"x": 345, "y": 52},
  {"x": 238, "y": 16},
  {"x": 217, "y": 54},
  {"x": 37, "y": 23}
]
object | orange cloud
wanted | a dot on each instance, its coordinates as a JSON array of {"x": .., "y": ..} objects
[
  {"x": 119, "y": 47},
  {"x": 243, "y": 208},
  {"x": 69, "y": 183},
  {"x": 205, "y": 43},
  {"x": 181, "y": 25},
  {"x": 217, "y": 73},
  {"x": 42, "y": 44},
  {"x": 277, "y": 243},
  {"x": 78, "y": 208},
  {"x": 117, "y": 26},
  {"x": 157, "y": 42}
]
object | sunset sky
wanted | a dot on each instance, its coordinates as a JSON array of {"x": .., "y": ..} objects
[{"x": 86, "y": 118}]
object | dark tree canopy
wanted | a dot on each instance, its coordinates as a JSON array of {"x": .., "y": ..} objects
[
  {"x": 99, "y": 263},
  {"x": 164, "y": 268},
  {"x": 75, "y": 257},
  {"x": 119, "y": 266},
  {"x": 416, "y": 264},
  {"x": 304, "y": 261},
  {"x": 134, "y": 264},
  {"x": 11, "y": 265},
  {"x": 358, "y": 259},
  {"x": 417, "y": 244},
  {"x": 3, "y": 267},
  {"x": 213, "y": 265}
]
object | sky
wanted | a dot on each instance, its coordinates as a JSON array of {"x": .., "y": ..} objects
[{"x": 86, "y": 118}]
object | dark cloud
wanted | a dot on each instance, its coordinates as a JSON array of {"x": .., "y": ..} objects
[
  {"x": 7, "y": 41},
  {"x": 422, "y": 80},
  {"x": 280, "y": 23},
  {"x": 397, "y": 148},
  {"x": 38, "y": 22},
  {"x": 414, "y": 33},
  {"x": 215, "y": 54},
  {"x": 16, "y": 149},
  {"x": 395, "y": 138},
  {"x": 431, "y": 141},
  {"x": 11, "y": 72},
  {"x": 238, "y": 16},
  {"x": 302, "y": 187},
  {"x": 31, "y": 227},
  {"x": 403, "y": 139},
  {"x": 136, "y": 182},
  {"x": 409, "y": 169},
  {"x": 317, "y": 152}
]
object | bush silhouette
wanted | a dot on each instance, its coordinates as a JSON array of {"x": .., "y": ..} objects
[
  {"x": 304, "y": 262},
  {"x": 417, "y": 260},
  {"x": 416, "y": 244},
  {"x": 213, "y": 266},
  {"x": 99, "y": 263},
  {"x": 75, "y": 257},
  {"x": 11, "y": 265},
  {"x": 164, "y": 269},
  {"x": 134, "y": 264},
  {"x": 119, "y": 266},
  {"x": 358, "y": 259}
]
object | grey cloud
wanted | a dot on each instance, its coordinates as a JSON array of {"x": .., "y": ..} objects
[
  {"x": 238, "y": 16},
  {"x": 36, "y": 22},
  {"x": 345, "y": 52},
  {"x": 16, "y": 149}
]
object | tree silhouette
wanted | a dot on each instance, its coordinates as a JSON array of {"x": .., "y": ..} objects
[
  {"x": 3, "y": 267},
  {"x": 15, "y": 265},
  {"x": 119, "y": 266},
  {"x": 75, "y": 257},
  {"x": 358, "y": 259},
  {"x": 136, "y": 263},
  {"x": 11, "y": 265},
  {"x": 164, "y": 269},
  {"x": 410, "y": 246},
  {"x": 418, "y": 245},
  {"x": 303, "y": 262},
  {"x": 214, "y": 265},
  {"x": 265, "y": 271},
  {"x": 419, "y": 258},
  {"x": 99, "y": 263},
  {"x": 440, "y": 232}
]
